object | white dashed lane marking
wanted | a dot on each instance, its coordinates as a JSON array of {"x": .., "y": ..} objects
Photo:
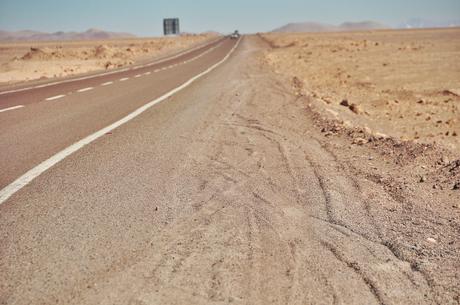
[
  {"x": 11, "y": 108},
  {"x": 137, "y": 76},
  {"x": 55, "y": 97},
  {"x": 85, "y": 89},
  {"x": 123, "y": 79},
  {"x": 107, "y": 83}
]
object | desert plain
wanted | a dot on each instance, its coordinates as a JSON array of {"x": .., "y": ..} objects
[
  {"x": 401, "y": 83},
  {"x": 33, "y": 60},
  {"x": 395, "y": 93}
]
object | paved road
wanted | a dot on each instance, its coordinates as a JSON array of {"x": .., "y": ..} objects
[
  {"x": 221, "y": 194},
  {"x": 56, "y": 116}
]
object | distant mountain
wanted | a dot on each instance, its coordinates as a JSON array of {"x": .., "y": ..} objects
[
  {"x": 323, "y": 27},
  {"x": 211, "y": 33},
  {"x": 305, "y": 27},
  {"x": 419, "y": 23},
  {"x": 4, "y": 35},
  {"x": 364, "y": 25},
  {"x": 91, "y": 34}
]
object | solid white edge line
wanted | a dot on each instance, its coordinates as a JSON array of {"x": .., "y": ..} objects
[
  {"x": 114, "y": 72},
  {"x": 54, "y": 97},
  {"x": 25, "y": 179},
  {"x": 85, "y": 89},
  {"x": 11, "y": 108}
]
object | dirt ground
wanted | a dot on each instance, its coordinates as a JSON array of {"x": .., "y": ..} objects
[
  {"x": 400, "y": 83},
  {"x": 387, "y": 104},
  {"x": 23, "y": 61}
]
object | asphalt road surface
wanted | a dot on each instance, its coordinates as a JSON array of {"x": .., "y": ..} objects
[
  {"x": 56, "y": 116},
  {"x": 219, "y": 194}
]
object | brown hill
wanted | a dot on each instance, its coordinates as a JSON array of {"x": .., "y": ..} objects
[{"x": 91, "y": 34}]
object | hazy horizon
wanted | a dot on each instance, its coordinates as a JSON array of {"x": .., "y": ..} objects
[{"x": 144, "y": 18}]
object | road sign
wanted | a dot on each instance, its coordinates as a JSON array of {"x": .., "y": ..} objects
[{"x": 171, "y": 26}]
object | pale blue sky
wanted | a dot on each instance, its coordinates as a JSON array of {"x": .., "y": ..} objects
[{"x": 144, "y": 17}]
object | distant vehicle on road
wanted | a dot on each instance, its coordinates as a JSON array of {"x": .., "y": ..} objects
[{"x": 235, "y": 35}]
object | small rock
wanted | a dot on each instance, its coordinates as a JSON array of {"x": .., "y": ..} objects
[
  {"x": 455, "y": 92},
  {"x": 355, "y": 108},
  {"x": 108, "y": 64},
  {"x": 345, "y": 103},
  {"x": 423, "y": 179},
  {"x": 455, "y": 205},
  {"x": 445, "y": 160},
  {"x": 359, "y": 141},
  {"x": 431, "y": 240},
  {"x": 380, "y": 135},
  {"x": 456, "y": 186}
]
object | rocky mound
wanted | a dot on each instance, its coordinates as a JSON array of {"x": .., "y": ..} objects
[{"x": 42, "y": 54}]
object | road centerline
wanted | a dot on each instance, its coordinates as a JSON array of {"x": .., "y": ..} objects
[
  {"x": 55, "y": 97},
  {"x": 85, "y": 89},
  {"x": 11, "y": 108}
]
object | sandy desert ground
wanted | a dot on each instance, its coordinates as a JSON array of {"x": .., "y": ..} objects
[
  {"x": 400, "y": 83},
  {"x": 23, "y": 61},
  {"x": 388, "y": 105}
]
